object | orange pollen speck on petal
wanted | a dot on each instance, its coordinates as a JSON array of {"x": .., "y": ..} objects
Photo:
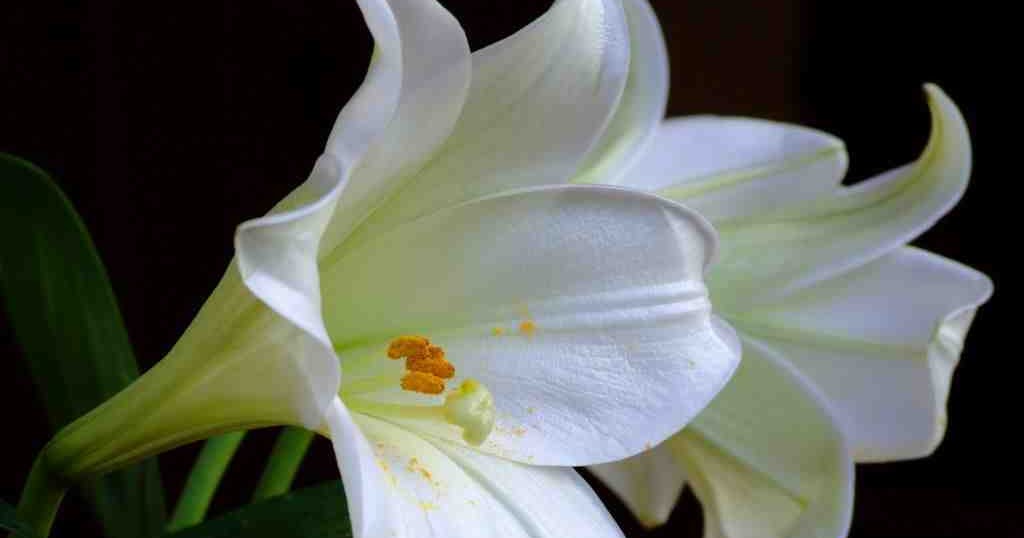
[
  {"x": 423, "y": 383},
  {"x": 527, "y": 327}
]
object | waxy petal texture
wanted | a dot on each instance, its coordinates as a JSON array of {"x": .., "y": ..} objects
[
  {"x": 728, "y": 167},
  {"x": 882, "y": 343},
  {"x": 406, "y": 108},
  {"x": 537, "y": 103},
  {"x": 767, "y": 458},
  {"x": 766, "y": 257},
  {"x": 581, "y": 308},
  {"x": 649, "y": 483},
  {"x": 642, "y": 106},
  {"x": 437, "y": 489}
]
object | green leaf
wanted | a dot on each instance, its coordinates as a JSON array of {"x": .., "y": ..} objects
[
  {"x": 318, "y": 511},
  {"x": 67, "y": 321},
  {"x": 9, "y": 522}
]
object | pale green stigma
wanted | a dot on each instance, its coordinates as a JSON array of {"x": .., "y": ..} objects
[{"x": 471, "y": 407}]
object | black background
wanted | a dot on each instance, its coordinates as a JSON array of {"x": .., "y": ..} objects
[{"x": 168, "y": 124}]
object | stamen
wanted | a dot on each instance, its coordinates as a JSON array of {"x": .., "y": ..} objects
[
  {"x": 408, "y": 346},
  {"x": 421, "y": 358},
  {"x": 471, "y": 407},
  {"x": 442, "y": 369},
  {"x": 422, "y": 382}
]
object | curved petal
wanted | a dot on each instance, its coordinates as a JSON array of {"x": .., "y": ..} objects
[
  {"x": 882, "y": 343},
  {"x": 769, "y": 257},
  {"x": 580, "y": 307},
  {"x": 444, "y": 491},
  {"x": 766, "y": 458},
  {"x": 413, "y": 94},
  {"x": 642, "y": 106},
  {"x": 649, "y": 483},
  {"x": 538, "y": 102},
  {"x": 273, "y": 323},
  {"x": 731, "y": 167},
  {"x": 372, "y": 512}
]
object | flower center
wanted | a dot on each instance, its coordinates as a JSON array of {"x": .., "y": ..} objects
[
  {"x": 470, "y": 406},
  {"x": 425, "y": 364}
]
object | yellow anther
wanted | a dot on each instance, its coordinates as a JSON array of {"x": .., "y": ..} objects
[
  {"x": 423, "y": 359},
  {"x": 471, "y": 407},
  {"x": 440, "y": 368},
  {"x": 407, "y": 346},
  {"x": 527, "y": 327},
  {"x": 422, "y": 382}
]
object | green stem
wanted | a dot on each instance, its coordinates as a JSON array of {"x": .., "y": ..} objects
[
  {"x": 41, "y": 497},
  {"x": 284, "y": 461},
  {"x": 203, "y": 480}
]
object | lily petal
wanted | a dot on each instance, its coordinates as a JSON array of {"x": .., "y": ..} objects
[
  {"x": 642, "y": 105},
  {"x": 733, "y": 167},
  {"x": 435, "y": 489},
  {"x": 882, "y": 343},
  {"x": 413, "y": 94},
  {"x": 581, "y": 308},
  {"x": 371, "y": 512},
  {"x": 649, "y": 483},
  {"x": 766, "y": 257},
  {"x": 538, "y": 102},
  {"x": 766, "y": 459}
]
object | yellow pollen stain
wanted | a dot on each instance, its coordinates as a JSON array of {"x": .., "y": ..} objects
[
  {"x": 527, "y": 327},
  {"x": 417, "y": 467},
  {"x": 422, "y": 382},
  {"x": 426, "y": 364}
]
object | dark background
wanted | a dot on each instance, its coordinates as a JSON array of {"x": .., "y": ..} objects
[{"x": 168, "y": 124}]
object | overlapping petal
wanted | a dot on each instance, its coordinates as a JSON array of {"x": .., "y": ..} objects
[
  {"x": 882, "y": 343},
  {"x": 537, "y": 103},
  {"x": 732, "y": 167},
  {"x": 649, "y": 484},
  {"x": 406, "y": 108},
  {"x": 581, "y": 308},
  {"x": 770, "y": 256},
  {"x": 642, "y": 106},
  {"x": 767, "y": 458},
  {"x": 437, "y": 489}
]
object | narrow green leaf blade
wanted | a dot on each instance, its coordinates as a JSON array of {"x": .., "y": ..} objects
[
  {"x": 67, "y": 321},
  {"x": 318, "y": 511},
  {"x": 9, "y": 522}
]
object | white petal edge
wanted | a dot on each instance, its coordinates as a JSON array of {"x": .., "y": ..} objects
[
  {"x": 768, "y": 257},
  {"x": 642, "y": 106},
  {"x": 372, "y": 512},
  {"x": 735, "y": 167},
  {"x": 277, "y": 254},
  {"x": 435, "y": 489},
  {"x": 621, "y": 349},
  {"x": 649, "y": 484},
  {"x": 767, "y": 459},
  {"x": 407, "y": 107},
  {"x": 882, "y": 343},
  {"x": 538, "y": 102}
]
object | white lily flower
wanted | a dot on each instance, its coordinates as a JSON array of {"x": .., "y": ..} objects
[
  {"x": 850, "y": 337},
  {"x": 457, "y": 328}
]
